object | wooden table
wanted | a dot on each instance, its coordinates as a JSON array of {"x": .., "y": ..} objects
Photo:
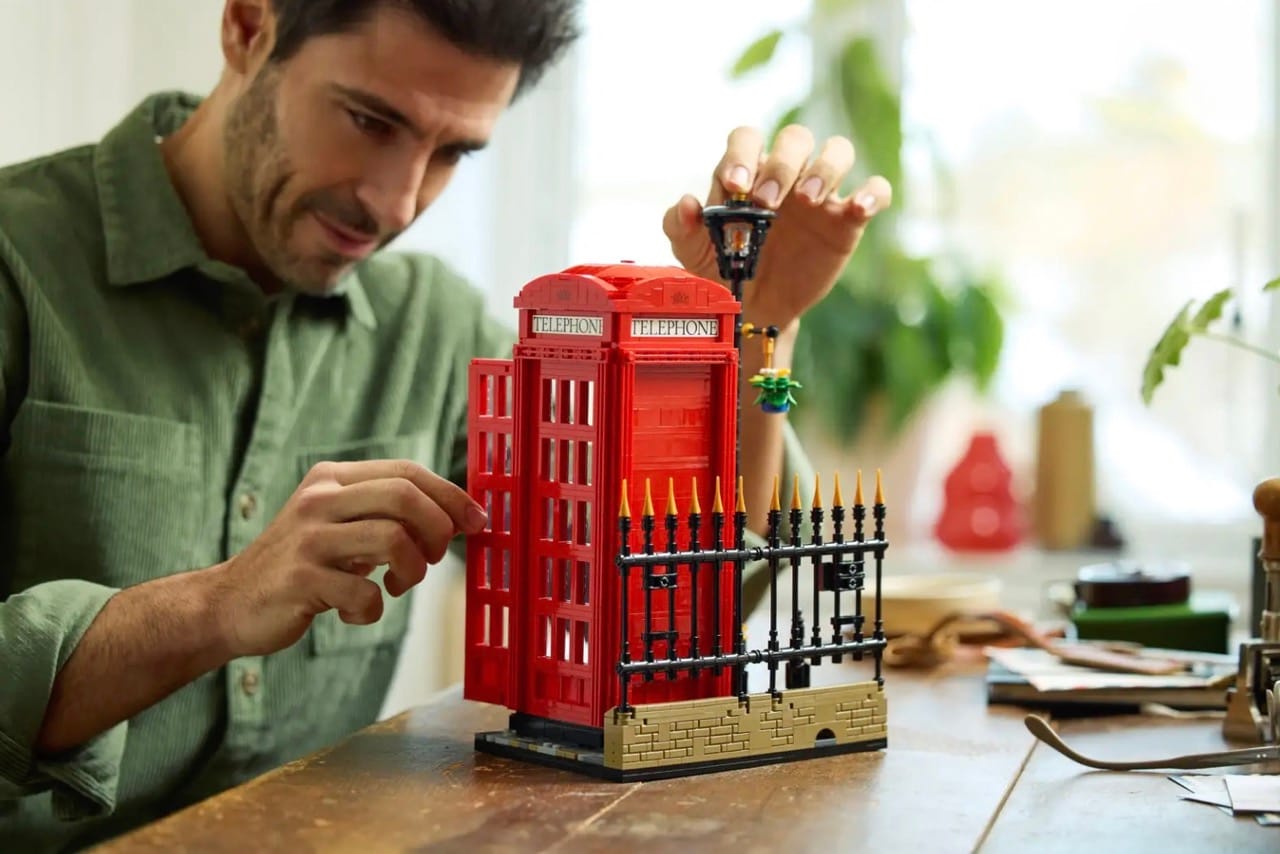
[{"x": 957, "y": 776}]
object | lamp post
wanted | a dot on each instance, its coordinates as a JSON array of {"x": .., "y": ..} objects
[{"x": 737, "y": 229}]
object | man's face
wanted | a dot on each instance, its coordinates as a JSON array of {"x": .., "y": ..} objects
[{"x": 333, "y": 153}]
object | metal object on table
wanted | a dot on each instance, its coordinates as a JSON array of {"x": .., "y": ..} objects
[
  {"x": 1252, "y": 703},
  {"x": 1221, "y": 759}
]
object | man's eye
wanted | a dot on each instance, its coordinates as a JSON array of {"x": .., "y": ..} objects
[
  {"x": 451, "y": 156},
  {"x": 368, "y": 124}
]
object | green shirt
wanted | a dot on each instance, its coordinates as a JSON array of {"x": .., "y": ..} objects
[{"x": 156, "y": 410}]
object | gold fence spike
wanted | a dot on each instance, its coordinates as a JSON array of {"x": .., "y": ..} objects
[
  {"x": 671, "y": 497},
  {"x": 857, "y": 491},
  {"x": 775, "y": 503},
  {"x": 817, "y": 492},
  {"x": 742, "y": 496},
  {"x": 624, "y": 508},
  {"x": 795, "y": 494},
  {"x": 717, "y": 507},
  {"x": 838, "y": 499},
  {"x": 879, "y": 488},
  {"x": 648, "y": 499},
  {"x": 694, "y": 506}
]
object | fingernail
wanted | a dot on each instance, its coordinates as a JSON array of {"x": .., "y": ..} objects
[
  {"x": 740, "y": 177},
  {"x": 868, "y": 204},
  {"x": 768, "y": 193},
  {"x": 811, "y": 188},
  {"x": 476, "y": 518}
]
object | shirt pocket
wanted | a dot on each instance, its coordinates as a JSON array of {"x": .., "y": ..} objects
[
  {"x": 329, "y": 635},
  {"x": 112, "y": 497}
]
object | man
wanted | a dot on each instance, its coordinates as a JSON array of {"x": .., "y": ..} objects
[{"x": 223, "y": 408}]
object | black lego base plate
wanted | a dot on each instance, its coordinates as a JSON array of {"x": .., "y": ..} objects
[{"x": 508, "y": 744}]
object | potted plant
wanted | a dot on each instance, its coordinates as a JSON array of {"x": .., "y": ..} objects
[
  {"x": 1195, "y": 321},
  {"x": 898, "y": 325}
]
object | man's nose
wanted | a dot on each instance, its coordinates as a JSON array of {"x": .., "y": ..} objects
[{"x": 392, "y": 197}]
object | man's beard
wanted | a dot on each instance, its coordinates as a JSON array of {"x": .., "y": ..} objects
[{"x": 259, "y": 173}]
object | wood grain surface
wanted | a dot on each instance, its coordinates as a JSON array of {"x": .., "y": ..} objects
[{"x": 956, "y": 775}]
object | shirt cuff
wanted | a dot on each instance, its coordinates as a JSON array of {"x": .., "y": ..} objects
[{"x": 39, "y": 629}]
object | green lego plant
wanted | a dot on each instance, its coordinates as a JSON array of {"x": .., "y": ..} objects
[
  {"x": 1195, "y": 321},
  {"x": 897, "y": 325}
]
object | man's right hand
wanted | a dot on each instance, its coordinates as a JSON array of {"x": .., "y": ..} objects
[{"x": 344, "y": 520}]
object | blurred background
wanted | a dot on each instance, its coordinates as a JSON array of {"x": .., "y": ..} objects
[{"x": 1069, "y": 176}]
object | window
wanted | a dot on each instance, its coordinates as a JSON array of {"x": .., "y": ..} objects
[
  {"x": 1110, "y": 162},
  {"x": 640, "y": 151}
]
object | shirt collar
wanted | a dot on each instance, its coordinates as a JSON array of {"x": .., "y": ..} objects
[{"x": 147, "y": 230}]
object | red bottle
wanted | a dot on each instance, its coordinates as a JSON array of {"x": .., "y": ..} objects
[{"x": 979, "y": 512}]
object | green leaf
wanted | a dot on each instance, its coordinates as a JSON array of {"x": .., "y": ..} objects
[
  {"x": 1271, "y": 285},
  {"x": 979, "y": 330},
  {"x": 873, "y": 110},
  {"x": 910, "y": 374},
  {"x": 1210, "y": 311},
  {"x": 758, "y": 53},
  {"x": 1166, "y": 353}
]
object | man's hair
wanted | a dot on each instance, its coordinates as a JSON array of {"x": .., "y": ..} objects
[{"x": 530, "y": 33}]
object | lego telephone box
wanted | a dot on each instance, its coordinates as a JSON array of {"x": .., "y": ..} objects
[{"x": 621, "y": 373}]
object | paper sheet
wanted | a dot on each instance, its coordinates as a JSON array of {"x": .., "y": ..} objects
[
  {"x": 1253, "y": 792},
  {"x": 1047, "y": 673},
  {"x": 1236, "y": 794}
]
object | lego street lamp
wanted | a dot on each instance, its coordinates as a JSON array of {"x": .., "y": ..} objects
[
  {"x": 737, "y": 232},
  {"x": 737, "y": 229}
]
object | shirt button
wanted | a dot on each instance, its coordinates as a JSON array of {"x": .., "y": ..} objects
[
  {"x": 248, "y": 505},
  {"x": 249, "y": 682}
]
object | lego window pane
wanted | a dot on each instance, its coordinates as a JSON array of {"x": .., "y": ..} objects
[
  {"x": 566, "y": 401},
  {"x": 584, "y": 462},
  {"x": 580, "y": 642},
  {"x": 547, "y": 466},
  {"x": 563, "y": 643},
  {"x": 566, "y": 581},
  {"x": 506, "y": 395},
  {"x": 566, "y": 461},
  {"x": 548, "y": 400},
  {"x": 584, "y": 583},
  {"x": 582, "y": 408},
  {"x": 548, "y": 577},
  {"x": 484, "y": 625},
  {"x": 566, "y": 521},
  {"x": 584, "y": 523}
]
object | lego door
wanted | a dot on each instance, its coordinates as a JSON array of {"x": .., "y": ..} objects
[
  {"x": 682, "y": 433},
  {"x": 490, "y": 479},
  {"x": 555, "y": 678}
]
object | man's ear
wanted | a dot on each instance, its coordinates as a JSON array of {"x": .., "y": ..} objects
[{"x": 248, "y": 32}]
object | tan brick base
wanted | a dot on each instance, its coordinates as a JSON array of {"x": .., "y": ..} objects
[{"x": 722, "y": 728}]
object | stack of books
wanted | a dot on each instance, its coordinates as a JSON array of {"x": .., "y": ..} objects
[{"x": 1035, "y": 679}]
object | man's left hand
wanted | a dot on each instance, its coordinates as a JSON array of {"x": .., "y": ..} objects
[{"x": 814, "y": 234}]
